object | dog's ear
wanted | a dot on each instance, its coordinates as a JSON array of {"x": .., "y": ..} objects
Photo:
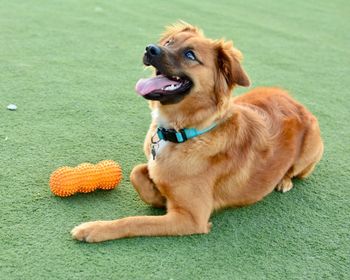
[
  {"x": 179, "y": 26},
  {"x": 229, "y": 68}
]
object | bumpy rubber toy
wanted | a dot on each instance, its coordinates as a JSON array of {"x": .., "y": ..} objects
[{"x": 86, "y": 177}]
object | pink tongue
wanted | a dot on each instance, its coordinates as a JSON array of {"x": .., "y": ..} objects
[{"x": 145, "y": 86}]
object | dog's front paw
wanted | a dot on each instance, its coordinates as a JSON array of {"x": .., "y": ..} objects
[{"x": 90, "y": 232}]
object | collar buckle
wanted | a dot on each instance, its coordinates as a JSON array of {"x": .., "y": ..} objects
[{"x": 169, "y": 134}]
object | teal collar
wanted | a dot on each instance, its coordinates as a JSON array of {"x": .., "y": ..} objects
[{"x": 182, "y": 135}]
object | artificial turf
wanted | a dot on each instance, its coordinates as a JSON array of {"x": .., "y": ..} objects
[{"x": 70, "y": 67}]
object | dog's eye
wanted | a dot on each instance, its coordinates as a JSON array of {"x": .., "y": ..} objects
[{"x": 190, "y": 55}]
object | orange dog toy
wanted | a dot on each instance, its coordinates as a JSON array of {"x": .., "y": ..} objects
[{"x": 86, "y": 177}]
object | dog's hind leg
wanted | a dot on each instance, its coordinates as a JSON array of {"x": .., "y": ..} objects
[
  {"x": 310, "y": 154},
  {"x": 285, "y": 184},
  {"x": 145, "y": 186}
]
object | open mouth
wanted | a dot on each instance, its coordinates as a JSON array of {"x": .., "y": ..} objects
[{"x": 163, "y": 87}]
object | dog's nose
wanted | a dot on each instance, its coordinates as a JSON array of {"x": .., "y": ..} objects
[{"x": 153, "y": 50}]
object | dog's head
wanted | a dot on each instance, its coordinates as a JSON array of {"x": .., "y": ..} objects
[{"x": 188, "y": 64}]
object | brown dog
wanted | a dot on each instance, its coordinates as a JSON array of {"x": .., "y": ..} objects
[{"x": 237, "y": 151}]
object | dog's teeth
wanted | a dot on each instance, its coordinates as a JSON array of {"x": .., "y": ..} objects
[{"x": 172, "y": 87}]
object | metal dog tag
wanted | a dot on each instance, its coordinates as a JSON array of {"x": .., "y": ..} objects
[
  {"x": 154, "y": 145},
  {"x": 154, "y": 149}
]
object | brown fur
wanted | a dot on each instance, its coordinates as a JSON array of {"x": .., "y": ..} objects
[{"x": 263, "y": 140}]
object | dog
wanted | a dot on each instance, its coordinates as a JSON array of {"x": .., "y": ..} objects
[{"x": 206, "y": 149}]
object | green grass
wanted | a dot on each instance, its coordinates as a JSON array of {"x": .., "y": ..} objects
[{"x": 70, "y": 66}]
